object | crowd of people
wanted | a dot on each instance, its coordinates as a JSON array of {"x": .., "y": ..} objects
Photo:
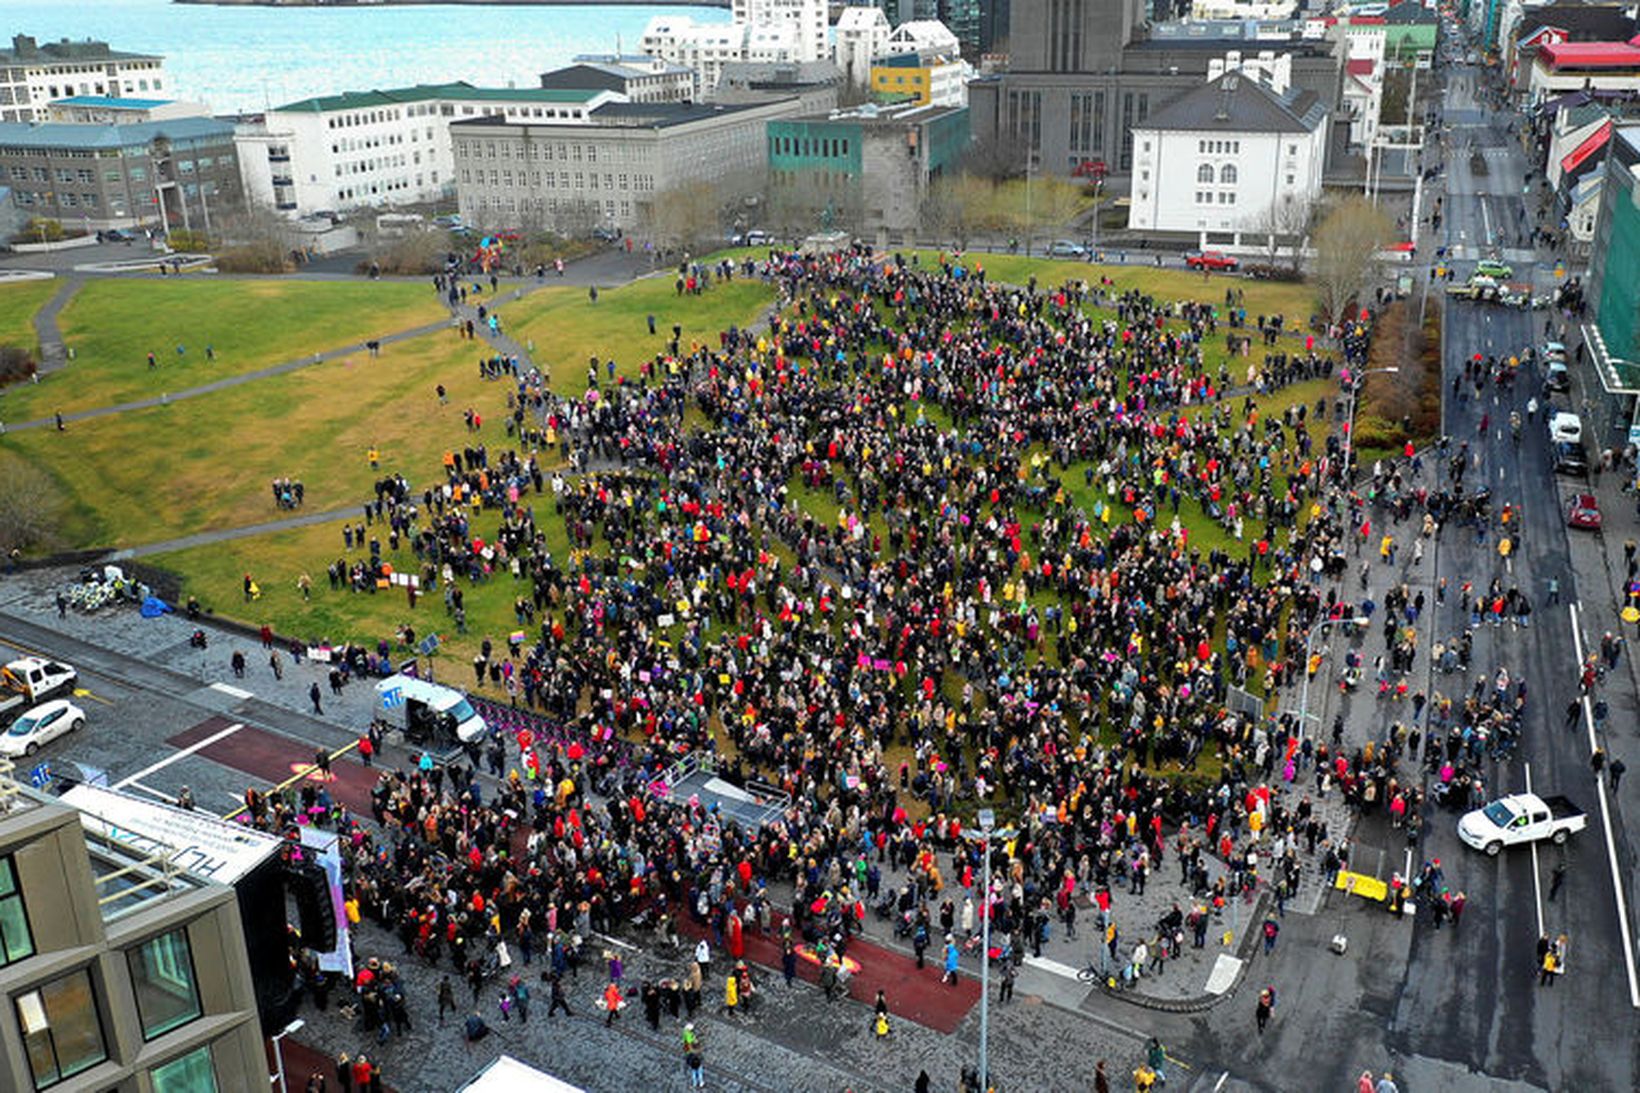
[{"x": 940, "y": 542}]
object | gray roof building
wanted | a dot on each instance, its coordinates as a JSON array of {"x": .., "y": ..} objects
[{"x": 1238, "y": 103}]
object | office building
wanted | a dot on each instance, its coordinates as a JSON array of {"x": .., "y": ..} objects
[
  {"x": 119, "y": 970},
  {"x": 32, "y": 75},
  {"x": 1083, "y": 73},
  {"x": 172, "y": 174},
  {"x": 925, "y": 81},
  {"x": 372, "y": 149},
  {"x": 103, "y": 110},
  {"x": 610, "y": 168},
  {"x": 865, "y": 170}
]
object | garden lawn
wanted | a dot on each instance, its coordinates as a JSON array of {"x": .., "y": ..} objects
[
  {"x": 566, "y": 328},
  {"x": 19, "y": 300},
  {"x": 150, "y": 475},
  {"x": 112, "y": 324}
]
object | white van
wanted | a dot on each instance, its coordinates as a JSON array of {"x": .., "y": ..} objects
[{"x": 428, "y": 713}]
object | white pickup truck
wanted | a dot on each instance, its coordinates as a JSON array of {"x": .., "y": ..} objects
[
  {"x": 1520, "y": 818},
  {"x": 28, "y": 681}
]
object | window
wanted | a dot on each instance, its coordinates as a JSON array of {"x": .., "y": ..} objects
[
  {"x": 1204, "y": 173},
  {"x": 62, "y": 1031},
  {"x": 1227, "y": 174},
  {"x": 15, "y": 940},
  {"x": 162, "y": 976},
  {"x": 191, "y": 1073}
]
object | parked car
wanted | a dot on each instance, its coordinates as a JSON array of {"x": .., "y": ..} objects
[
  {"x": 1571, "y": 458},
  {"x": 757, "y": 237},
  {"x": 1501, "y": 271},
  {"x": 1211, "y": 259},
  {"x": 1583, "y": 512},
  {"x": 606, "y": 234},
  {"x": 1557, "y": 377},
  {"x": 1554, "y": 351},
  {"x": 1067, "y": 248},
  {"x": 117, "y": 235},
  {"x": 41, "y": 725},
  {"x": 1565, "y": 425}
]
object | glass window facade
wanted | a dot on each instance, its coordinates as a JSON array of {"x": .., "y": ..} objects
[
  {"x": 62, "y": 1030},
  {"x": 16, "y": 942},
  {"x": 162, "y": 976},
  {"x": 194, "y": 1072}
]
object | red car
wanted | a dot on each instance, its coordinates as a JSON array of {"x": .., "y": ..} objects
[
  {"x": 1211, "y": 259},
  {"x": 1583, "y": 512}
]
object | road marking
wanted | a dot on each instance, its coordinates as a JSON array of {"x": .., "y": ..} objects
[
  {"x": 1606, "y": 823},
  {"x": 1537, "y": 883},
  {"x": 1220, "y": 1083},
  {"x": 166, "y": 797},
  {"x": 183, "y": 754},
  {"x": 1053, "y": 967},
  {"x": 81, "y": 692},
  {"x": 229, "y": 690}
]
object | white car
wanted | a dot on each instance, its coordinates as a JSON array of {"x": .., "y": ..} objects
[
  {"x": 1565, "y": 425},
  {"x": 41, "y": 725}
]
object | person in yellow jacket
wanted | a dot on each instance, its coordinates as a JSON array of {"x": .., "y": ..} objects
[{"x": 731, "y": 993}]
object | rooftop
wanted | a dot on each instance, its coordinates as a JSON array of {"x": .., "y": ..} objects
[
  {"x": 1237, "y": 103},
  {"x": 634, "y": 115},
  {"x": 111, "y": 102},
  {"x": 1591, "y": 54},
  {"x": 456, "y": 92},
  {"x": 67, "y": 135}
]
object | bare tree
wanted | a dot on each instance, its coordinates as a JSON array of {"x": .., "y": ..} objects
[
  {"x": 1053, "y": 203},
  {"x": 685, "y": 215},
  {"x": 29, "y": 505},
  {"x": 1285, "y": 223},
  {"x": 996, "y": 157},
  {"x": 955, "y": 207},
  {"x": 1347, "y": 243}
]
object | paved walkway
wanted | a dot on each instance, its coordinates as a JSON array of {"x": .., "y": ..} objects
[
  {"x": 52, "y": 354},
  {"x": 230, "y": 381},
  {"x": 222, "y": 535}
]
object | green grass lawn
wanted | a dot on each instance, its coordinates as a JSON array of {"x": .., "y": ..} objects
[
  {"x": 19, "y": 301},
  {"x": 566, "y": 328},
  {"x": 149, "y": 475},
  {"x": 113, "y": 324}
]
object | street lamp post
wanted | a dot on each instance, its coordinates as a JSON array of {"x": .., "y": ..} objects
[
  {"x": 1358, "y": 381},
  {"x": 279, "y": 1051},
  {"x": 987, "y": 824},
  {"x": 1309, "y": 642}
]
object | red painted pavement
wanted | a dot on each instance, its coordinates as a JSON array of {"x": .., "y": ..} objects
[
  {"x": 271, "y": 759},
  {"x": 912, "y": 994}
]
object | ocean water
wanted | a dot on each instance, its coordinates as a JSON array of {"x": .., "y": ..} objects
[{"x": 243, "y": 59}]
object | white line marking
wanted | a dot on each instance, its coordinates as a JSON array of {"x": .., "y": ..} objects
[
  {"x": 153, "y": 792},
  {"x": 183, "y": 754},
  {"x": 234, "y": 691},
  {"x": 1537, "y": 883},
  {"x": 1053, "y": 967},
  {"x": 1606, "y": 823},
  {"x": 1220, "y": 1083}
]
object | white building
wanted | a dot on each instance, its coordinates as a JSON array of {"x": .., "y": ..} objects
[
  {"x": 925, "y": 37},
  {"x": 1261, "y": 10},
  {"x": 608, "y": 169},
  {"x": 806, "y": 19},
  {"x": 861, "y": 36},
  {"x": 382, "y": 148},
  {"x": 1364, "y": 79},
  {"x": 1229, "y": 159},
  {"x": 788, "y": 31},
  {"x": 1274, "y": 70},
  {"x": 32, "y": 75}
]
